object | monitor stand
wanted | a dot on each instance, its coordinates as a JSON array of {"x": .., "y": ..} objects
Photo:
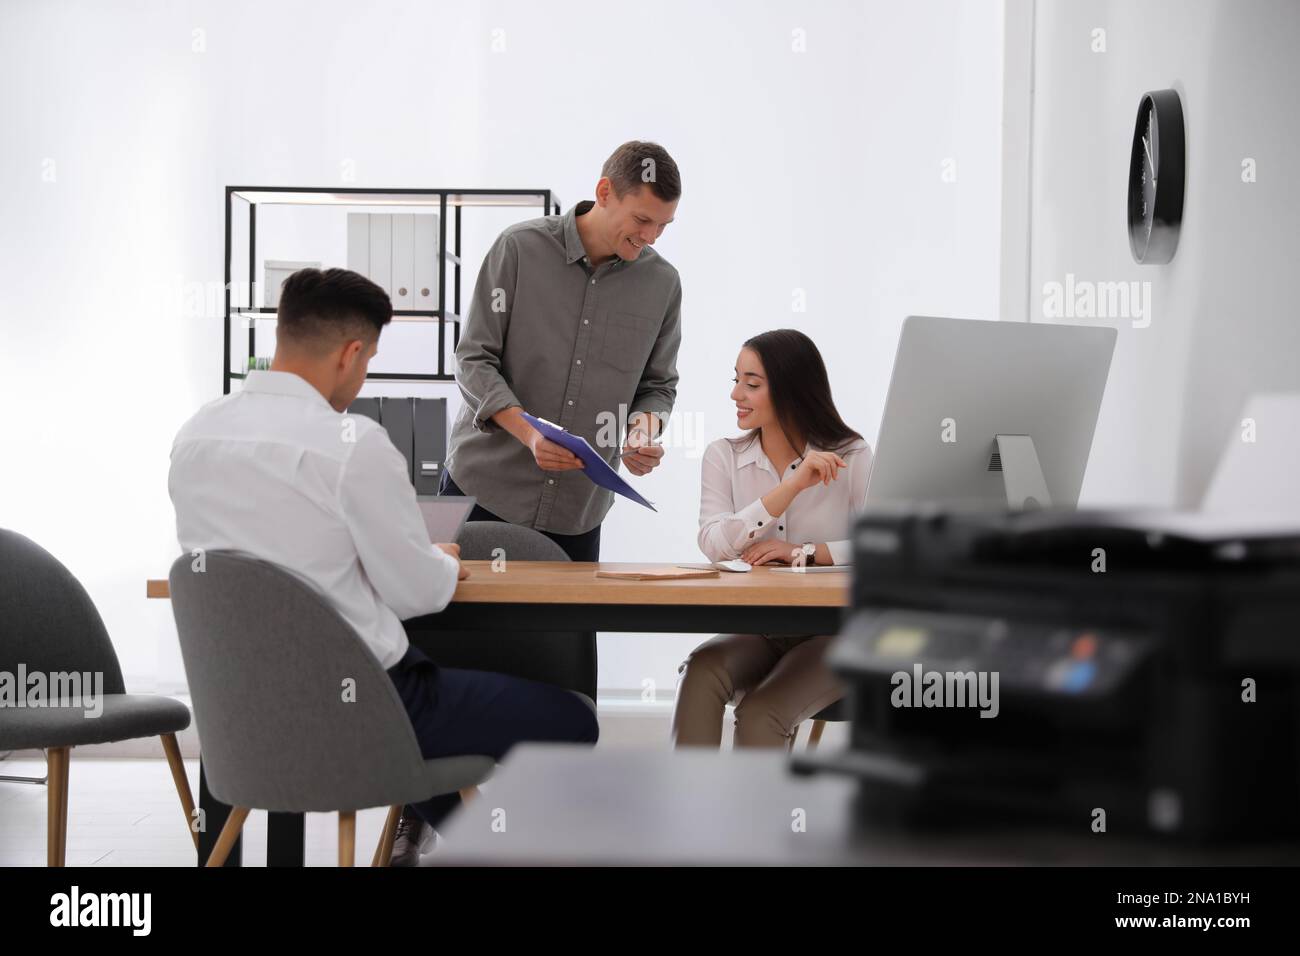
[{"x": 1021, "y": 472}]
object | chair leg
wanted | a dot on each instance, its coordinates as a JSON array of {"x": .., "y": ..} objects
[
  {"x": 347, "y": 837},
  {"x": 56, "y": 806},
  {"x": 469, "y": 795},
  {"x": 815, "y": 735},
  {"x": 229, "y": 834},
  {"x": 384, "y": 852},
  {"x": 173, "y": 751},
  {"x": 793, "y": 737}
]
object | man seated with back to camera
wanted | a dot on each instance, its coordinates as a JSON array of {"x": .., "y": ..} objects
[{"x": 276, "y": 471}]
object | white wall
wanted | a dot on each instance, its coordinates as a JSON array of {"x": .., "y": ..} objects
[
  {"x": 1224, "y": 316},
  {"x": 816, "y": 170}
]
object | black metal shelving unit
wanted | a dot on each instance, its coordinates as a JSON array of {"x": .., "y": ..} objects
[{"x": 444, "y": 199}]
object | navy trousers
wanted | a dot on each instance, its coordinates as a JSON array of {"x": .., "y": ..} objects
[{"x": 456, "y": 712}]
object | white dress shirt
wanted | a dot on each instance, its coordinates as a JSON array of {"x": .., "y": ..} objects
[
  {"x": 275, "y": 472},
  {"x": 732, "y": 516}
]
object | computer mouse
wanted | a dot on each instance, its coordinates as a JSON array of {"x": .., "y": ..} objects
[{"x": 734, "y": 565}]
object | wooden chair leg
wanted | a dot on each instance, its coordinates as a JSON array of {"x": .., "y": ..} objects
[
  {"x": 173, "y": 751},
  {"x": 347, "y": 837},
  {"x": 793, "y": 737},
  {"x": 229, "y": 834},
  {"x": 469, "y": 795},
  {"x": 815, "y": 735},
  {"x": 56, "y": 806},
  {"x": 384, "y": 852}
]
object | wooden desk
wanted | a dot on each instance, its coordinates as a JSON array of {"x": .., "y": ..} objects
[{"x": 567, "y": 596}]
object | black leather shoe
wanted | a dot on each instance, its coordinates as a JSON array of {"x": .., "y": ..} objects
[{"x": 414, "y": 839}]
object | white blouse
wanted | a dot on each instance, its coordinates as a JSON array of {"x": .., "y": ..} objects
[{"x": 732, "y": 516}]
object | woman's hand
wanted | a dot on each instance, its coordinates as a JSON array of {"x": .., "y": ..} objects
[
  {"x": 771, "y": 551},
  {"x": 817, "y": 466}
]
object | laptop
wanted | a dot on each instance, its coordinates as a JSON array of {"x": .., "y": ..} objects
[{"x": 445, "y": 515}]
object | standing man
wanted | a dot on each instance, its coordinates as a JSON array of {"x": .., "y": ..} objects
[{"x": 575, "y": 319}]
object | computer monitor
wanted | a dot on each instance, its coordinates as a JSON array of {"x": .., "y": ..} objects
[{"x": 990, "y": 414}]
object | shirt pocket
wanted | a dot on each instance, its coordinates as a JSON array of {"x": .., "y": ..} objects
[{"x": 629, "y": 337}]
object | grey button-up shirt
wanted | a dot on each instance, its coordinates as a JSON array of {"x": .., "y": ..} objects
[{"x": 584, "y": 348}]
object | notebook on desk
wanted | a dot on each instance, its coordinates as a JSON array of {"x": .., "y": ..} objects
[{"x": 665, "y": 573}]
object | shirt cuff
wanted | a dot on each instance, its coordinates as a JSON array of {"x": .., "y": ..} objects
[
  {"x": 841, "y": 551},
  {"x": 498, "y": 397},
  {"x": 659, "y": 409},
  {"x": 754, "y": 522}
]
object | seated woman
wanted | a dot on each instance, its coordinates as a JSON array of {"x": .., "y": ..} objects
[{"x": 797, "y": 478}]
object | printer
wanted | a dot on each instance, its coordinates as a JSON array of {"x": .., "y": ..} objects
[{"x": 1132, "y": 671}]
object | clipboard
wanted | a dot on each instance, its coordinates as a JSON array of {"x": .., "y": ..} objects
[{"x": 594, "y": 466}]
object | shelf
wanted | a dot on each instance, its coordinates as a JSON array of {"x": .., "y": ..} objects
[
  {"x": 386, "y": 377},
  {"x": 448, "y": 258},
  {"x": 313, "y": 196},
  {"x": 399, "y": 315}
]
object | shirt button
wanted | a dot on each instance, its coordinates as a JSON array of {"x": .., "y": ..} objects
[
  {"x": 585, "y": 322},
  {"x": 593, "y": 281},
  {"x": 570, "y": 401},
  {"x": 579, "y": 361},
  {"x": 760, "y": 524},
  {"x": 550, "y": 481},
  {"x": 780, "y": 527}
]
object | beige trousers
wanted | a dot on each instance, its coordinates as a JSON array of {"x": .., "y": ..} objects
[{"x": 775, "y": 682}]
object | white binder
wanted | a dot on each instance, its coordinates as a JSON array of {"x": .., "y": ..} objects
[
  {"x": 425, "y": 288},
  {"x": 403, "y": 260},
  {"x": 381, "y": 251},
  {"x": 359, "y": 243}
]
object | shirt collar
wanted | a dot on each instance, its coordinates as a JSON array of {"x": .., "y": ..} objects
[
  {"x": 573, "y": 248},
  {"x": 753, "y": 454},
  {"x": 283, "y": 383}
]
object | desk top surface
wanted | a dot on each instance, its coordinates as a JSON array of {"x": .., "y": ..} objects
[
  {"x": 568, "y": 582},
  {"x": 556, "y": 804}
]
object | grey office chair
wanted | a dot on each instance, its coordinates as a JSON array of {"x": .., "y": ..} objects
[
  {"x": 50, "y": 626},
  {"x": 562, "y": 658},
  {"x": 294, "y": 712}
]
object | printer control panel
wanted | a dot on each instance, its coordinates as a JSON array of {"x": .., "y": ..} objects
[{"x": 1026, "y": 656}]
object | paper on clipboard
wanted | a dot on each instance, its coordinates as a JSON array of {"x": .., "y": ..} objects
[{"x": 594, "y": 466}]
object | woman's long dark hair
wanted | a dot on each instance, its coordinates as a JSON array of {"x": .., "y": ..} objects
[{"x": 801, "y": 393}]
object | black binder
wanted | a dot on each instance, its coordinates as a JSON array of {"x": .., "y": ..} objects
[
  {"x": 397, "y": 417},
  {"x": 430, "y": 444}
]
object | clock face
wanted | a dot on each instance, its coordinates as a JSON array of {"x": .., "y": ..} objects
[{"x": 1156, "y": 178}]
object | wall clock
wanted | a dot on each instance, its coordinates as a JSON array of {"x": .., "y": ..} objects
[{"x": 1156, "y": 176}]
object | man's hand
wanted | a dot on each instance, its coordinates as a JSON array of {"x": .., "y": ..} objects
[
  {"x": 454, "y": 551},
  {"x": 771, "y": 551},
  {"x": 640, "y": 454},
  {"x": 550, "y": 456}
]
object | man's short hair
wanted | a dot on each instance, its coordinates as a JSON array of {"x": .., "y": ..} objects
[
  {"x": 637, "y": 164},
  {"x": 320, "y": 310}
]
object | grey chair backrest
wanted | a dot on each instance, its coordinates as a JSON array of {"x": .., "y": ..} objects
[
  {"x": 294, "y": 713},
  {"x": 47, "y": 621},
  {"x": 562, "y": 658}
]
